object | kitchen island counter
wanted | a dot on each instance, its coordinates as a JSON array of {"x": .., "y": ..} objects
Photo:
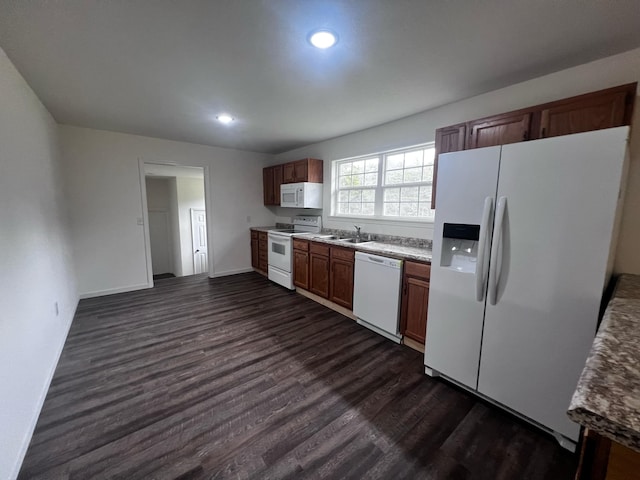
[{"x": 607, "y": 398}]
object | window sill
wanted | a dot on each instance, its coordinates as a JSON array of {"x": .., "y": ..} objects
[{"x": 404, "y": 222}]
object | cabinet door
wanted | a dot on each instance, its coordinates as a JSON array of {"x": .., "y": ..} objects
[
  {"x": 499, "y": 130},
  {"x": 277, "y": 181},
  {"x": 342, "y": 282},
  {"x": 289, "y": 173},
  {"x": 301, "y": 269},
  {"x": 415, "y": 302},
  {"x": 319, "y": 275},
  {"x": 267, "y": 186},
  {"x": 584, "y": 114},
  {"x": 448, "y": 139},
  {"x": 301, "y": 171},
  {"x": 255, "y": 259}
]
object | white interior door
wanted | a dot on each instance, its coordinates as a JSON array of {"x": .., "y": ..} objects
[
  {"x": 199, "y": 240},
  {"x": 454, "y": 326},
  {"x": 160, "y": 242},
  {"x": 561, "y": 195}
]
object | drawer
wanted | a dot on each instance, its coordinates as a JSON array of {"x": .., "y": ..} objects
[
  {"x": 262, "y": 236},
  {"x": 343, "y": 253},
  {"x": 415, "y": 269},
  {"x": 262, "y": 265},
  {"x": 319, "y": 249},
  {"x": 262, "y": 255},
  {"x": 263, "y": 245},
  {"x": 254, "y": 235},
  {"x": 301, "y": 245}
]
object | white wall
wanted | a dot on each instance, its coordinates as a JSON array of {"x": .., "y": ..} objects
[
  {"x": 35, "y": 263},
  {"x": 190, "y": 195},
  {"x": 105, "y": 193},
  {"x": 420, "y": 128}
]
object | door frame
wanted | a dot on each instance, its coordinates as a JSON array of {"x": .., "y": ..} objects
[{"x": 145, "y": 211}]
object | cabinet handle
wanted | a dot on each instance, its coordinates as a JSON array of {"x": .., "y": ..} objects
[
  {"x": 525, "y": 136},
  {"x": 544, "y": 132}
]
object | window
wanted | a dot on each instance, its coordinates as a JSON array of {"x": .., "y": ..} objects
[{"x": 389, "y": 185}]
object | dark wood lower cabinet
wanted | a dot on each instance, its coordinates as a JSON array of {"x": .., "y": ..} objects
[
  {"x": 415, "y": 301},
  {"x": 319, "y": 269},
  {"x": 259, "y": 251},
  {"x": 301, "y": 263},
  {"x": 341, "y": 276}
]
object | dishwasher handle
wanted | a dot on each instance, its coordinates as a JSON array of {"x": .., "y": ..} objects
[{"x": 383, "y": 261}]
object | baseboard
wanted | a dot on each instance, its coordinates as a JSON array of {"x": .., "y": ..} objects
[
  {"x": 43, "y": 396},
  {"x": 413, "y": 344},
  {"x": 327, "y": 303},
  {"x": 111, "y": 291},
  {"x": 226, "y": 273}
]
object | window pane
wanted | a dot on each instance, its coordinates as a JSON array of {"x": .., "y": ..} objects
[
  {"x": 355, "y": 196},
  {"x": 369, "y": 196},
  {"x": 343, "y": 196},
  {"x": 368, "y": 208},
  {"x": 371, "y": 165},
  {"x": 345, "y": 168},
  {"x": 393, "y": 177},
  {"x": 395, "y": 162},
  {"x": 424, "y": 210},
  {"x": 357, "y": 180},
  {"x": 425, "y": 194},
  {"x": 343, "y": 208},
  {"x": 429, "y": 156},
  {"x": 391, "y": 209},
  {"x": 371, "y": 179},
  {"x": 408, "y": 209},
  {"x": 344, "y": 182},
  {"x": 391, "y": 194},
  {"x": 412, "y": 175},
  {"x": 358, "y": 166},
  {"x": 427, "y": 174},
  {"x": 413, "y": 159},
  {"x": 355, "y": 208},
  {"x": 409, "y": 194}
]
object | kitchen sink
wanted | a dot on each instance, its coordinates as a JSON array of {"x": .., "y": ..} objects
[{"x": 353, "y": 240}]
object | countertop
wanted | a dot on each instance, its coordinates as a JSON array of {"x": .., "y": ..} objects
[
  {"x": 607, "y": 398},
  {"x": 402, "y": 252}
]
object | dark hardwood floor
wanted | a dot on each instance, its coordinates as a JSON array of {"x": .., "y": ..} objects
[{"x": 236, "y": 377}]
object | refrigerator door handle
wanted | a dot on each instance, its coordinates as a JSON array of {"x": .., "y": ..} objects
[
  {"x": 481, "y": 265},
  {"x": 496, "y": 252}
]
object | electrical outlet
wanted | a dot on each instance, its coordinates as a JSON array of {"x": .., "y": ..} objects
[
  {"x": 56, "y": 308},
  {"x": 140, "y": 221}
]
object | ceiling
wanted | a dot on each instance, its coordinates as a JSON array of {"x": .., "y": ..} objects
[{"x": 166, "y": 68}]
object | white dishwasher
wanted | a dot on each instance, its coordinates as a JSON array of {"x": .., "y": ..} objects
[{"x": 376, "y": 294}]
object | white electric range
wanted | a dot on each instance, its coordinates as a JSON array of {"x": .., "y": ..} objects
[{"x": 280, "y": 255}]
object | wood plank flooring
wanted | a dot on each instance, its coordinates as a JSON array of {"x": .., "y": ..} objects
[{"x": 239, "y": 378}]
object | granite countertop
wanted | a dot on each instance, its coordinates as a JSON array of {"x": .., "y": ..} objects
[
  {"x": 607, "y": 398},
  {"x": 394, "y": 250},
  {"x": 402, "y": 252}
]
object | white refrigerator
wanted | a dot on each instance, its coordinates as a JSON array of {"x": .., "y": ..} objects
[{"x": 523, "y": 245}]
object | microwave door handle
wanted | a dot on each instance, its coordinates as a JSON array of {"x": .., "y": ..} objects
[{"x": 298, "y": 195}]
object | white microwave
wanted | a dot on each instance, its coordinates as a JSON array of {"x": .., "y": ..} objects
[{"x": 301, "y": 195}]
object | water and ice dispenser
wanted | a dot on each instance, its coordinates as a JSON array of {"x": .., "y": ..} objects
[{"x": 460, "y": 247}]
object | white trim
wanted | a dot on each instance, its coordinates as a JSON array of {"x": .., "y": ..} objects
[
  {"x": 208, "y": 203},
  {"x": 26, "y": 441},
  {"x": 111, "y": 291},
  {"x": 226, "y": 273}
]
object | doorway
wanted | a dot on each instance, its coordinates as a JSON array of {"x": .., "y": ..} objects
[{"x": 177, "y": 220}]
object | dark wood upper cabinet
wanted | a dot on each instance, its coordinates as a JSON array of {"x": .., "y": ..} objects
[
  {"x": 607, "y": 109},
  {"x": 307, "y": 170},
  {"x": 341, "y": 266},
  {"x": 499, "y": 130},
  {"x": 271, "y": 181}
]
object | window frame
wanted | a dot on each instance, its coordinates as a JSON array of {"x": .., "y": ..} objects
[{"x": 379, "y": 189}]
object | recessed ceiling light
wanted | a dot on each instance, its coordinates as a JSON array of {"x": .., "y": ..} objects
[
  {"x": 323, "y": 38},
  {"x": 224, "y": 118}
]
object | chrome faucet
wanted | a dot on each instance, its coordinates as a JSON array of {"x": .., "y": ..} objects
[{"x": 358, "y": 236}]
